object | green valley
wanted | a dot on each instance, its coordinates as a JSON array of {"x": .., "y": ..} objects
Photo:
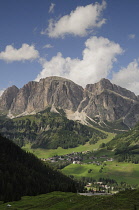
[{"x": 85, "y": 153}]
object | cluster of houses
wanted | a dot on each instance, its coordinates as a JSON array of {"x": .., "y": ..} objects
[
  {"x": 78, "y": 158},
  {"x": 99, "y": 187},
  {"x": 73, "y": 157}
]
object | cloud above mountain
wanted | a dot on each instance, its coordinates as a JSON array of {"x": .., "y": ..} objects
[
  {"x": 78, "y": 23},
  {"x": 97, "y": 61},
  {"x": 26, "y": 52},
  {"x": 51, "y": 8},
  {"x": 128, "y": 77}
]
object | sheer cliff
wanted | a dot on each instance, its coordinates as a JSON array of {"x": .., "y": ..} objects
[{"x": 103, "y": 100}]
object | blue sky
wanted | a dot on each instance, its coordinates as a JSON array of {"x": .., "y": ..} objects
[{"x": 81, "y": 40}]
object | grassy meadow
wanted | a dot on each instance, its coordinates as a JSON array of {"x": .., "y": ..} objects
[{"x": 119, "y": 171}]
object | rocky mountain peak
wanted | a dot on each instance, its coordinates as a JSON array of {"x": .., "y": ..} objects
[
  {"x": 98, "y": 87},
  {"x": 104, "y": 81},
  {"x": 105, "y": 84},
  {"x": 7, "y": 98},
  {"x": 57, "y": 91}
]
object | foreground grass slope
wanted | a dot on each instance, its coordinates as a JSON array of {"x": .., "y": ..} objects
[{"x": 127, "y": 200}]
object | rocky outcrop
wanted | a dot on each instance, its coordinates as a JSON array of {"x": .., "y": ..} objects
[
  {"x": 132, "y": 117},
  {"x": 105, "y": 84},
  {"x": 103, "y": 100},
  {"x": 7, "y": 98},
  {"x": 108, "y": 106},
  {"x": 109, "y": 102}
]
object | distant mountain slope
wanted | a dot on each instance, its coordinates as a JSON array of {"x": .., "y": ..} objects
[
  {"x": 22, "y": 174},
  {"x": 126, "y": 145},
  {"x": 49, "y": 130},
  {"x": 102, "y": 102}
]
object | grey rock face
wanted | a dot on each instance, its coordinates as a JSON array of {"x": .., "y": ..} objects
[
  {"x": 109, "y": 102},
  {"x": 104, "y": 84},
  {"x": 108, "y": 106},
  {"x": 7, "y": 98},
  {"x": 64, "y": 94},
  {"x": 36, "y": 96},
  {"x": 132, "y": 116}
]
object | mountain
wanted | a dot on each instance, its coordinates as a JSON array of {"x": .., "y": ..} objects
[
  {"x": 22, "y": 174},
  {"x": 102, "y": 104},
  {"x": 108, "y": 103},
  {"x": 36, "y": 96}
]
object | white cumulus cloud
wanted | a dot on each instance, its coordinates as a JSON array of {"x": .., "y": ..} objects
[
  {"x": 97, "y": 61},
  {"x": 26, "y": 52},
  {"x": 128, "y": 77},
  {"x": 131, "y": 36},
  {"x": 48, "y": 46},
  {"x": 51, "y": 8},
  {"x": 79, "y": 22}
]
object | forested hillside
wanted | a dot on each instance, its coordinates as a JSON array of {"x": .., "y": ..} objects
[
  {"x": 49, "y": 130},
  {"x": 22, "y": 174},
  {"x": 126, "y": 145}
]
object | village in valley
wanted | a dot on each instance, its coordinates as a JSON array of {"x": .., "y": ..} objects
[
  {"x": 91, "y": 186},
  {"x": 86, "y": 157},
  {"x": 105, "y": 186}
]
